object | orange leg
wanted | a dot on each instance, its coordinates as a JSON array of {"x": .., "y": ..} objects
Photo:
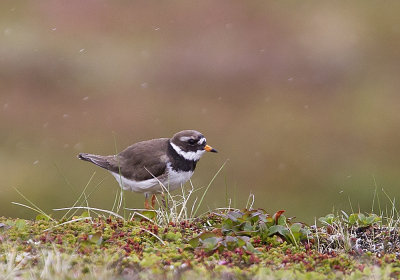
[
  {"x": 146, "y": 203},
  {"x": 153, "y": 201}
]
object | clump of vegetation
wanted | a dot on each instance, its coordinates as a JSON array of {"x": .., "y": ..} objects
[
  {"x": 236, "y": 228},
  {"x": 353, "y": 220},
  {"x": 359, "y": 234},
  {"x": 234, "y": 244}
]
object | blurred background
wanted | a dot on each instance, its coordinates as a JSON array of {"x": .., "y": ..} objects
[{"x": 302, "y": 99}]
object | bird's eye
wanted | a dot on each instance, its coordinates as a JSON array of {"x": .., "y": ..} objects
[{"x": 191, "y": 141}]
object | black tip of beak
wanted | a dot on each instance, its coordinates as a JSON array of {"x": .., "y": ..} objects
[{"x": 213, "y": 150}]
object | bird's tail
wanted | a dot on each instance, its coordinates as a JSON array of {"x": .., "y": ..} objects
[{"x": 101, "y": 161}]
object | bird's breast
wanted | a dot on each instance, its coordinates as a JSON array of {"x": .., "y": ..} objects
[{"x": 177, "y": 177}]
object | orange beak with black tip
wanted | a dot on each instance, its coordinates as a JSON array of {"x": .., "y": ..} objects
[{"x": 210, "y": 149}]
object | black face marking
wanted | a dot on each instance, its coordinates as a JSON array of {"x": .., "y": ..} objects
[{"x": 178, "y": 162}]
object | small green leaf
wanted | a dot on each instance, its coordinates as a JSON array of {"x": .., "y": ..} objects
[
  {"x": 231, "y": 242},
  {"x": 278, "y": 229},
  {"x": 194, "y": 242},
  {"x": 295, "y": 228},
  {"x": 270, "y": 221},
  {"x": 376, "y": 218},
  {"x": 41, "y": 217},
  {"x": 305, "y": 234},
  {"x": 234, "y": 216},
  {"x": 210, "y": 244},
  {"x": 353, "y": 218},
  {"x": 250, "y": 248},
  {"x": 244, "y": 238},
  {"x": 149, "y": 214},
  {"x": 282, "y": 220},
  {"x": 85, "y": 214},
  {"x": 262, "y": 227},
  {"x": 262, "y": 218},
  {"x": 227, "y": 225},
  {"x": 96, "y": 238},
  {"x": 361, "y": 217},
  {"x": 171, "y": 236},
  {"x": 248, "y": 227},
  {"x": 327, "y": 220}
]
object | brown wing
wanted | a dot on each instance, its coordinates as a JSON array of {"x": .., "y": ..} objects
[{"x": 143, "y": 160}]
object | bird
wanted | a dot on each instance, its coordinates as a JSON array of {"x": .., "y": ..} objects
[{"x": 154, "y": 166}]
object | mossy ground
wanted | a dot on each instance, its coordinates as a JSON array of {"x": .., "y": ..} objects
[{"x": 109, "y": 248}]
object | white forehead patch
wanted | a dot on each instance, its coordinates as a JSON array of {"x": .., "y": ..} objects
[
  {"x": 188, "y": 155},
  {"x": 202, "y": 141},
  {"x": 185, "y": 138}
]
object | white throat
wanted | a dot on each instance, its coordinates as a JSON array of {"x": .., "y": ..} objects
[{"x": 188, "y": 155}]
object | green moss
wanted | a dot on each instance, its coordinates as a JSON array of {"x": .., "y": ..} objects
[{"x": 171, "y": 236}]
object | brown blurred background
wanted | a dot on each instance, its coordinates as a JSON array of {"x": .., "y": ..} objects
[{"x": 302, "y": 98}]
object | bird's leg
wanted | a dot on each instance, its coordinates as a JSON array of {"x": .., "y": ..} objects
[
  {"x": 146, "y": 201},
  {"x": 153, "y": 201}
]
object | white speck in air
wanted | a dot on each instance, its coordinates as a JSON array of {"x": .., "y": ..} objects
[
  {"x": 81, "y": 50},
  {"x": 145, "y": 54},
  {"x": 290, "y": 79},
  {"x": 157, "y": 28},
  {"x": 282, "y": 166},
  {"x": 85, "y": 98},
  {"x": 78, "y": 146},
  {"x": 144, "y": 85},
  {"x": 65, "y": 116},
  {"x": 35, "y": 162},
  {"x": 54, "y": 29}
]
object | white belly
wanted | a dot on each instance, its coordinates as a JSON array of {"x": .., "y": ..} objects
[
  {"x": 176, "y": 179},
  {"x": 172, "y": 180}
]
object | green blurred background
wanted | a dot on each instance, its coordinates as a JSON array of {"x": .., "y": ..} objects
[{"x": 301, "y": 97}]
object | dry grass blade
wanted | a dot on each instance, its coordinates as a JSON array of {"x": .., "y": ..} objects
[
  {"x": 35, "y": 207},
  {"x": 205, "y": 192},
  {"x": 80, "y": 196},
  {"x": 159, "y": 239},
  {"x": 91, "y": 208},
  {"x": 69, "y": 222}
]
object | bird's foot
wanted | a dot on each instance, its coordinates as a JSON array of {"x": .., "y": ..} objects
[{"x": 153, "y": 201}]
